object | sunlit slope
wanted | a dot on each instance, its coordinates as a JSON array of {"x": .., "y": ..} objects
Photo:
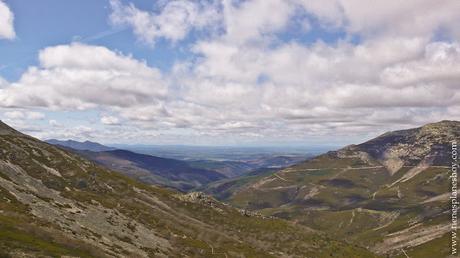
[{"x": 56, "y": 203}]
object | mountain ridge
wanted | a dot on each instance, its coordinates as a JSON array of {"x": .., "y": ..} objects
[
  {"x": 385, "y": 192},
  {"x": 77, "y": 145}
]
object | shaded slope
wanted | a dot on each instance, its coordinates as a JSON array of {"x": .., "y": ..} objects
[{"x": 154, "y": 170}]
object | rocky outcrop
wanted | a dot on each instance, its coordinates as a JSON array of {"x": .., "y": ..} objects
[{"x": 201, "y": 198}]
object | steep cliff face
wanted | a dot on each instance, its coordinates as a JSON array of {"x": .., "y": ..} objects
[
  {"x": 389, "y": 193},
  {"x": 55, "y": 203}
]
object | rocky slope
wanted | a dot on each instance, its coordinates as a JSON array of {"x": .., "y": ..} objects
[
  {"x": 55, "y": 203},
  {"x": 390, "y": 193}
]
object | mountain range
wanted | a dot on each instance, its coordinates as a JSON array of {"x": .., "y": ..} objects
[
  {"x": 76, "y": 145},
  {"x": 387, "y": 197},
  {"x": 58, "y": 204},
  {"x": 389, "y": 194}
]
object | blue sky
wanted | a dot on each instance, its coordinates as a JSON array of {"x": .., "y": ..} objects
[
  {"x": 40, "y": 24},
  {"x": 213, "y": 72}
]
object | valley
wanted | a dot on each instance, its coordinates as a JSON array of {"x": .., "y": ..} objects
[
  {"x": 386, "y": 197},
  {"x": 56, "y": 203},
  {"x": 185, "y": 172}
]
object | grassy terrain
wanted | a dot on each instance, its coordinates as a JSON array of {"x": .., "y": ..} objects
[
  {"x": 388, "y": 194},
  {"x": 224, "y": 189},
  {"x": 56, "y": 203}
]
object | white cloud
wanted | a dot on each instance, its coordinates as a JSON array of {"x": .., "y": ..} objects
[
  {"x": 173, "y": 22},
  {"x": 62, "y": 132},
  {"x": 80, "y": 76},
  {"x": 3, "y": 83},
  {"x": 14, "y": 115},
  {"x": 323, "y": 84},
  {"x": 6, "y": 22},
  {"x": 251, "y": 20},
  {"x": 257, "y": 20},
  {"x": 410, "y": 18},
  {"x": 110, "y": 120},
  {"x": 21, "y": 115},
  {"x": 438, "y": 65},
  {"x": 35, "y": 115},
  {"x": 54, "y": 123},
  {"x": 309, "y": 91},
  {"x": 242, "y": 22}
]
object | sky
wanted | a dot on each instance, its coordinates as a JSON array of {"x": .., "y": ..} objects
[{"x": 227, "y": 72}]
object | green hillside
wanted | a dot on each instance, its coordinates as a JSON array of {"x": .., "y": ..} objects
[
  {"x": 389, "y": 194},
  {"x": 55, "y": 203}
]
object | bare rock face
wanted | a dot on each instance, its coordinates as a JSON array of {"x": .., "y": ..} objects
[
  {"x": 397, "y": 149},
  {"x": 409, "y": 147},
  {"x": 198, "y": 197},
  {"x": 195, "y": 197},
  {"x": 202, "y": 198}
]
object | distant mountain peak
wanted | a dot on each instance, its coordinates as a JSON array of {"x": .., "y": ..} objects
[{"x": 86, "y": 145}]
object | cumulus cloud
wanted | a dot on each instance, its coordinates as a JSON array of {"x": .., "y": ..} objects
[
  {"x": 79, "y": 76},
  {"x": 411, "y": 18},
  {"x": 405, "y": 70},
  {"x": 173, "y": 22},
  {"x": 251, "y": 20},
  {"x": 6, "y": 22}
]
